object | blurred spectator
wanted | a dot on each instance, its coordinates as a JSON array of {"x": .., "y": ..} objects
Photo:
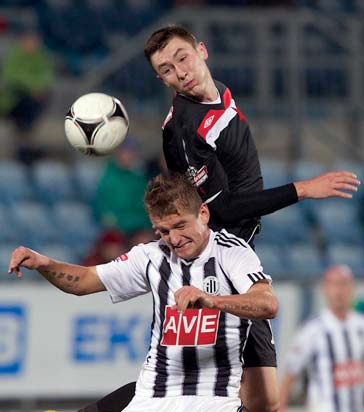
[
  {"x": 109, "y": 246},
  {"x": 330, "y": 348},
  {"x": 119, "y": 196},
  {"x": 142, "y": 236},
  {"x": 25, "y": 81},
  {"x": 3, "y": 24}
]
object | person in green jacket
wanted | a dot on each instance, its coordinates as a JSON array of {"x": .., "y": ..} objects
[
  {"x": 119, "y": 196},
  {"x": 26, "y": 76}
]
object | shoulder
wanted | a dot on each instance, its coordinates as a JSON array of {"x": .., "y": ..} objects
[
  {"x": 227, "y": 240},
  {"x": 357, "y": 317},
  {"x": 235, "y": 252}
]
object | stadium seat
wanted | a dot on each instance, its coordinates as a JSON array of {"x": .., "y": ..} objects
[
  {"x": 14, "y": 182},
  {"x": 77, "y": 226},
  {"x": 350, "y": 166},
  {"x": 305, "y": 261},
  {"x": 33, "y": 220},
  {"x": 86, "y": 174},
  {"x": 6, "y": 250},
  {"x": 274, "y": 172},
  {"x": 53, "y": 181},
  {"x": 8, "y": 231},
  {"x": 59, "y": 251},
  {"x": 339, "y": 221},
  {"x": 285, "y": 226},
  {"x": 306, "y": 169},
  {"x": 273, "y": 260},
  {"x": 350, "y": 255}
]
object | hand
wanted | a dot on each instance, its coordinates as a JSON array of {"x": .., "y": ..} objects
[
  {"x": 27, "y": 258},
  {"x": 331, "y": 184},
  {"x": 191, "y": 296}
]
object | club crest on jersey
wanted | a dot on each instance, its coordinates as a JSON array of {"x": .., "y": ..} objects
[
  {"x": 194, "y": 327},
  {"x": 197, "y": 177},
  {"x": 211, "y": 285}
]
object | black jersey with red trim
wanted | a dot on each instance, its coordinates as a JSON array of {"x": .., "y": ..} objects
[{"x": 212, "y": 144}]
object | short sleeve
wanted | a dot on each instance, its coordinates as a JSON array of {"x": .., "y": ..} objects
[
  {"x": 126, "y": 277},
  {"x": 244, "y": 268}
]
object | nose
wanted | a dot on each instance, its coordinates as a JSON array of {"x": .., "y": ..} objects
[
  {"x": 181, "y": 73},
  {"x": 174, "y": 238}
]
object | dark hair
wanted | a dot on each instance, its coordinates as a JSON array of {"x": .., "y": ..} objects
[
  {"x": 167, "y": 195},
  {"x": 159, "y": 39}
]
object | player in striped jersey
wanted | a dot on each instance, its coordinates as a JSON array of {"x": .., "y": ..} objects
[
  {"x": 330, "y": 348},
  {"x": 208, "y": 138},
  {"x": 205, "y": 287}
]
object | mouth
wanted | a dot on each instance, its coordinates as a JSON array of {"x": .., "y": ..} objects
[
  {"x": 181, "y": 247},
  {"x": 189, "y": 85}
]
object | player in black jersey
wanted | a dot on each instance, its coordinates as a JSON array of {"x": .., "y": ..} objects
[{"x": 206, "y": 136}]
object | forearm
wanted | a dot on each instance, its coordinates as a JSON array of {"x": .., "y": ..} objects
[
  {"x": 260, "y": 305},
  {"x": 233, "y": 206},
  {"x": 67, "y": 277}
]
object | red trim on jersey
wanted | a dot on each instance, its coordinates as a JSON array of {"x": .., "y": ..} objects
[
  {"x": 212, "y": 116},
  {"x": 227, "y": 98},
  {"x": 241, "y": 115},
  {"x": 209, "y": 121},
  {"x": 168, "y": 118}
]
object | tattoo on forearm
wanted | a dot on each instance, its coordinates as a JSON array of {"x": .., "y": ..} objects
[
  {"x": 61, "y": 275},
  {"x": 246, "y": 308}
]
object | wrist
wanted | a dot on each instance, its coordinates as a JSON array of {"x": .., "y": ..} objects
[
  {"x": 215, "y": 302},
  {"x": 301, "y": 190}
]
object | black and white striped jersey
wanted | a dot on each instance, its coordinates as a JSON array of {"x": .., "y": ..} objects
[
  {"x": 332, "y": 353},
  {"x": 198, "y": 352}
]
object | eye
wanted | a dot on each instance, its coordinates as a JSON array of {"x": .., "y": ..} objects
[
  {"x": 182, "y": 58},
  {"x": 165, "y": 72}
]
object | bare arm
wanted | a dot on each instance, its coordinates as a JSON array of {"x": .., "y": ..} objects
[
  {"x": 74, "y": 279},
  {"x": 258, "y": 303},
  {"x": 229, "y": 206},
  {"x": 285, "y": 390},
  {"x": 331, "y": 184}
]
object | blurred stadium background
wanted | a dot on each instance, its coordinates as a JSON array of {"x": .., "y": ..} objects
[{"x": 296, "y": 70}]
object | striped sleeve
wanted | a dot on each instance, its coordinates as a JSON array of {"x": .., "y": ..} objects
[
  {"x": 125, "y": 277},
  {"x": 243, "y": 267}
]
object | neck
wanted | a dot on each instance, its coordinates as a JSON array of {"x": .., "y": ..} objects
[
  {"x": 340, "y": 313},
  {"x": 211, "y": 92}
]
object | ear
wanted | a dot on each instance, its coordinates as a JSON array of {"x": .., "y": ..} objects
[
  {"x": 202, "y": 50},
  {"x": 204, "y": 214}
]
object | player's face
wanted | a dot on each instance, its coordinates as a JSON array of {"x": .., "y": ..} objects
[
  {"x": 183, "y": 67},
  {"x": 185, "y": 233},
  {"x": 338, "y": 289}
]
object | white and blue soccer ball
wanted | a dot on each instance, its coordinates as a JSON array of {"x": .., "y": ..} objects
[{"x": 96, "y": 124}]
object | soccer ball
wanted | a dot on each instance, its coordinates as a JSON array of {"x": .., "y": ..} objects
[{"x": 96, "y": 124}]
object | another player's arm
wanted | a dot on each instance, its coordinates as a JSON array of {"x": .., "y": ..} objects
[
  {"x": 230, "y": 206},
  {"x": 70, "y": 278},
  {"x": 259, "y": 302}
]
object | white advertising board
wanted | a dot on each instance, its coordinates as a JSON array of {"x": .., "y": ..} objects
[
  {"x": 55, "y": 344},
  {"x": 58, "y": 345}
]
